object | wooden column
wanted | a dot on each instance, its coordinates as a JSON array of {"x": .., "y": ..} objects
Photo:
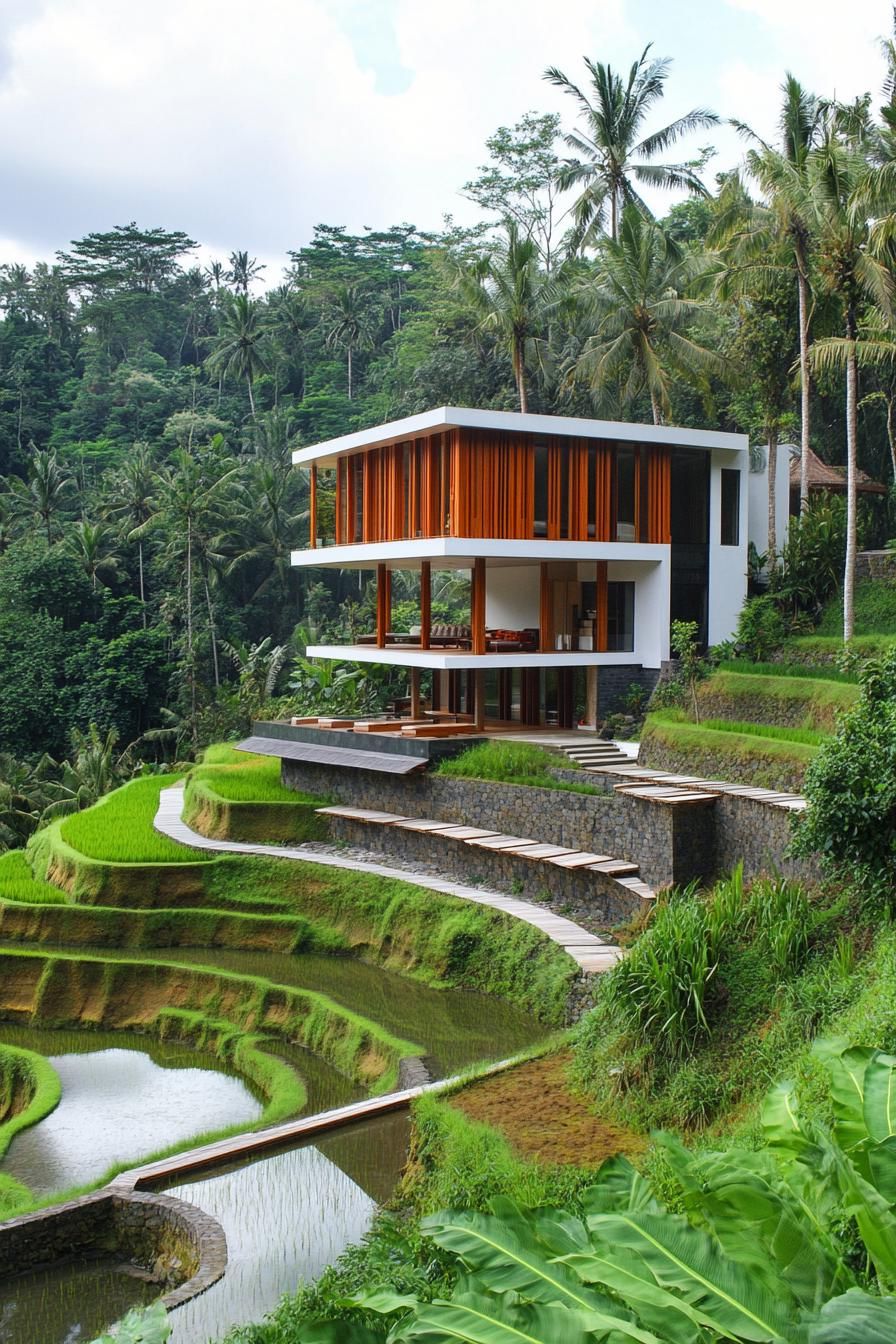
[
  {"x": 415, "y": 693},
  {"x": 383, "y": 604},
  {"x": 600, "y": 607},
  {"x": 479, "y": 701},
  {"x": 591, "y": 696},
  {"x": 312, "y": 508},
  {"x": 546, "y": 611},
  {"x": 425, "y": 603},
  {"x": 477, "y": 605}
]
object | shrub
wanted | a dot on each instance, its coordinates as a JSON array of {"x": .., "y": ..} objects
[
  {"x": 851, "y": 787},
  {"x": 760, "y": 628}
]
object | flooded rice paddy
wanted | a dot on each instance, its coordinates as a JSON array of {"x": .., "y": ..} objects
[{"x": 285, "y": 1215}]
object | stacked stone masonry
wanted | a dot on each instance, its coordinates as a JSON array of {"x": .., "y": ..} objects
[{"x": 670, "y": 845}]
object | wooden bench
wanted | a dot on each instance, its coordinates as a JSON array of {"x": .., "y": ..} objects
[
  {"x": 389, "y": 725},
  {"x": 438, "y": 730}
]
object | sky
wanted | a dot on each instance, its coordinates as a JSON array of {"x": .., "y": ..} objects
[{"x": 246, "y": 124}]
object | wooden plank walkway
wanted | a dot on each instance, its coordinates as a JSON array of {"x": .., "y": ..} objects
[
  {"x": 577, "y": 942},
  {"x": 642, "y": 782},
  {"x": 255, "y": 1142}
]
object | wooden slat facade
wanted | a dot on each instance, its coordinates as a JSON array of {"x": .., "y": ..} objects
[{"x": 482, "y": 483}]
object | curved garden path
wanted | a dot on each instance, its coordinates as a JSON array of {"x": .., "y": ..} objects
[{"x": 591, "y": 953}]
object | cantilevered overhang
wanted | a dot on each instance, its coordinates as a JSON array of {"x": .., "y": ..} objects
[
  {"x": 460, "y": 552},
  {"x": 386, "y": 763},
  {"x": 512, "y": 422},
  {"x": 444, "y": 660}
]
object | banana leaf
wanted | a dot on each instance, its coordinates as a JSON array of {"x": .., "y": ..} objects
[
  {"x": 690, "y": 1264},
  {"x": 766, "y": 1220},
  {"x": 856, "y": 1318},
  {"x": 619, "y": 1187},
  {"x": 476, "y": 1316}
]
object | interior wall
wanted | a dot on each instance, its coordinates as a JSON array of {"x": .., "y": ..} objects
[{"x": 512, "y": 594}]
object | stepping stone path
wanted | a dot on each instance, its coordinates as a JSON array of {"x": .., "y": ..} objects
[
  {"x": 592, "y": 954},
  {"x": 662, "y": 786}
]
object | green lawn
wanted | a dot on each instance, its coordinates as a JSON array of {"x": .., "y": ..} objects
[
  {"x": 874, "y": 611},
  {"x": 514, "y": 763},
  {"x": 796, "y": 671}
]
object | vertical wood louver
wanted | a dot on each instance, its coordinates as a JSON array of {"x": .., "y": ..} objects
[{"x": 481, "y": 483}]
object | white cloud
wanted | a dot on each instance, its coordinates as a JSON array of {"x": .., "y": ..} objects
[{"x": 245, "y": 125}]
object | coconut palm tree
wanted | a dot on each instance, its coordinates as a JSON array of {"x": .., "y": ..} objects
[
  {"x": 131, "y": 501},
  {"x": 612, "y": 152},
  {"x": 510, "y": 294},
  {"x": 240, "y": 345},
  {"x": 850, "y": 270},
  {"x": 43, "y": 496},
  {"x": 93, "y": 546},
  {"x": 350, "y": 322},
  {"x": 638, "y": 313},
  {"x": 781, "y": 173}
]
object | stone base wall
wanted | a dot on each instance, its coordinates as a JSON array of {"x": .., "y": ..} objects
[
  {"x": 613, "y": 683},
  {"x": 585, "y": 893},
  {"x": 876, "y": 565},
  {"x": 604, "y": 822},
  {"x": 669, "y": 844},
  {"x": 758, "y": 835},
  {"x": 182, "y": 1248}
]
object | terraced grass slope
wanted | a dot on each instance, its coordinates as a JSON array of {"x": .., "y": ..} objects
[{"x": 755, "y": 728}]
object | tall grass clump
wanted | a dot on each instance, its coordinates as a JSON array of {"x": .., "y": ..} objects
[
  {"x": 256, "y": 780},
  {"x": 513, "y": 763},
  {"x": 799, "y": 671},
  {"x": 119, "y": 828},
  {"x": 665, "y": 992}
]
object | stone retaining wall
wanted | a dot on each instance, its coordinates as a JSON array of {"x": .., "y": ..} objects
[
  {"x": 578, "y": 893},
  {"x": 603, "y": 822},
  {"x": 182, "y": 1248},
  {"x": 876, "y": 565},
  {"x": 669, "y": 844}
]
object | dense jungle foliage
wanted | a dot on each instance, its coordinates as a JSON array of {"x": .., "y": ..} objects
[{"x": 149, "y": 405}]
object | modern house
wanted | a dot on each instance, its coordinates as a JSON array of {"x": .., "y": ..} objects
[{"x": 582, "y": 541}]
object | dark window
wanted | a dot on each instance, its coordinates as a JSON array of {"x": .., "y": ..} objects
[
  {"x": 541, "y": 489},
  {"x": 620, "y": 617},
  {"x": 625, "y": 494},
  {"x": 730, "y": 507}
]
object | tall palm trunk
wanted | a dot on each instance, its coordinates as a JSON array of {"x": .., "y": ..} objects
[
  {"x": 519, "y": 370},
  {"x": 212, "y": 630},
  {"x": 655, "y": 408},
  {"x": 349, "y": 361},
  {"x": 891, "y": 430},
  {"x": 140, "y": 570},
  {"x": 803, "y": 293},
  {"x": 772, "y": 492},
  {"x": 251, "y": 395},
  {"x": 190, "y": 659},
  {"x": 849, "y": 573}
]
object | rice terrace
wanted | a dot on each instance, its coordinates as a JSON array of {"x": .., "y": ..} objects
[{"x": 447, "y": 674}]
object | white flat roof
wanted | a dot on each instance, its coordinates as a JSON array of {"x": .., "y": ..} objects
[
  {"x": 459, "y": 552},
  {"x": 441, "y": 660},
  {"x": 460, "y": 417}
]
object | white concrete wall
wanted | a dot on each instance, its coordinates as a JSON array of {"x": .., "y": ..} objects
[
  {"x": 758, "y": 501},
  {"x": 512, "y": 596},
  {"x": 727, "y": 564},
  {"x": 651, "y": 606}
]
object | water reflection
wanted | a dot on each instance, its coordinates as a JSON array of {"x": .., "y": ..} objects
[
  {"x": 286, "y": 1217},
  {"x": 118, "y": 1106},
  {"x": 68, "y": 1304}
]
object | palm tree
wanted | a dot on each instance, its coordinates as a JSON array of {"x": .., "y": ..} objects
[
  {"x": 350, "y": 322},
  {"x": 612, "y": 153},
  {"x": 850, "y": 270},
  {"x": 243, "y": 270},
  {"x": 131, "y": 500},
  {"x": 510, "y": 293},
  {"x": 43, "y": 495},
  {"x": 781, "y": 173},
  {"x": 93, "y": 546},
  {"x": 239, "y": 349},
  {"x": 194, "y": 500},
  {"x": 638, "y": 311}
]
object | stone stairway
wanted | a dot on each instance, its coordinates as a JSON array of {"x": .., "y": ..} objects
[{"x": 596, "y": 755}]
